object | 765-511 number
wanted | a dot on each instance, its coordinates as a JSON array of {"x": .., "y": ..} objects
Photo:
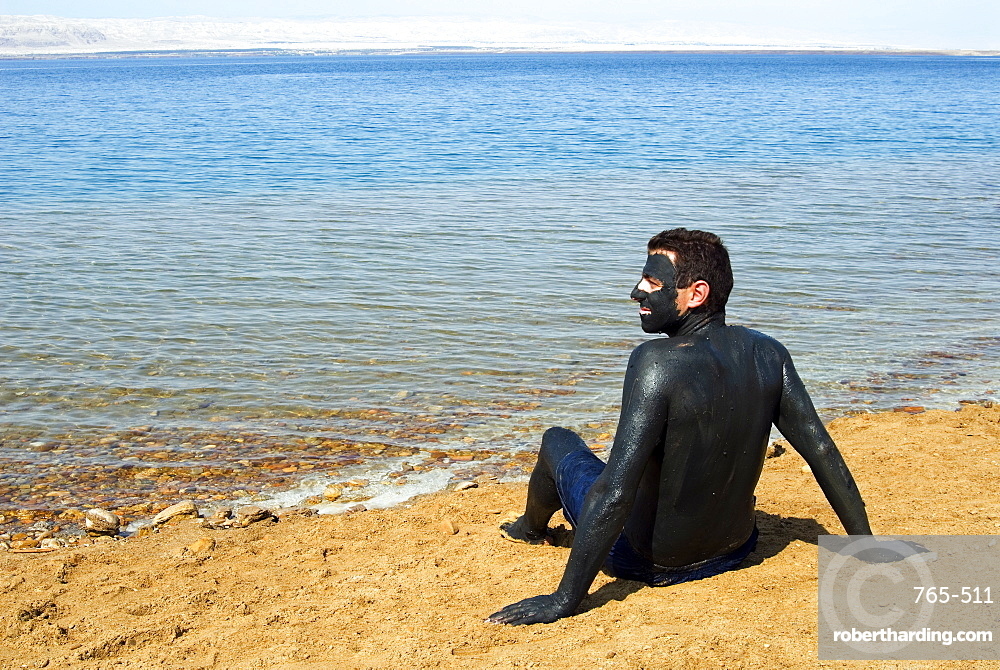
[{"x": 974, "y": 595}]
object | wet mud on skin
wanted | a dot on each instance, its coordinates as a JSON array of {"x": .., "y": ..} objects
[{"x": 662, "y": 304}]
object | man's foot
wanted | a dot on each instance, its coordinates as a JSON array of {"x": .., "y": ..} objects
[{"x": 516, "y": 532}]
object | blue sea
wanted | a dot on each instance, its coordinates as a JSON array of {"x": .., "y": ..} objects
[{"x": 324, "y": 267}]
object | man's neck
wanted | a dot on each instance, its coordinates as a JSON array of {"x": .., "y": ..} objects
[{"x": 698, "y": 322}]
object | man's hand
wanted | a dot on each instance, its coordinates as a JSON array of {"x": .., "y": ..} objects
[{"x": 540, "y": 609}]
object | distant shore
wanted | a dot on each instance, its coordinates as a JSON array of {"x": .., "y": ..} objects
[
  {"x": 410, "y": 586},
  {"x": 414, "y": 51}
]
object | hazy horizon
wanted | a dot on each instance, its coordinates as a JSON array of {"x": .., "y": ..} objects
[{"x": 915, "y": 24}]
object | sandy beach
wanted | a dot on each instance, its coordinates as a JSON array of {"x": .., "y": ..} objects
[{"x": 409, "y": 587}]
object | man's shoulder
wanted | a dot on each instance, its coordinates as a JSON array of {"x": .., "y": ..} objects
[
  {"x": 670, "y": 352},
  {"x": 754, "y": 335},
  {"x": 758, "y": 341},
  {"x": 662, "y": 348}
]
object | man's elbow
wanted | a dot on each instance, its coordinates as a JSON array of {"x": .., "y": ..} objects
[
  {"x": 607, "y": 500},
  {"x": 598, "y": 492}
]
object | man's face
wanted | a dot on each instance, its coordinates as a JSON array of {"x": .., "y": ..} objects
[{"x": 656, "y": 294}]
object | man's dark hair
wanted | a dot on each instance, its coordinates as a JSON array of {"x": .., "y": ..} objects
[{"x": 700, "y": 255}]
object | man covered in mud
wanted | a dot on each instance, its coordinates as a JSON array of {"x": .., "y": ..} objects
[{"x": 675, "y": 500}]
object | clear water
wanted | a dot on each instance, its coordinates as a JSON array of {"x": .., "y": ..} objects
[{"x": 279, "y": 245}]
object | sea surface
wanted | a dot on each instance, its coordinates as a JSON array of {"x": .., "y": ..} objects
[{"x": 228, "y": 277}]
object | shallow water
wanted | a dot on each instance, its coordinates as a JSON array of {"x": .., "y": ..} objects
[{"x": 417, "y": 254}]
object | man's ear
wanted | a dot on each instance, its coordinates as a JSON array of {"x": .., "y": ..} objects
[{"x": 699, "y": 294}]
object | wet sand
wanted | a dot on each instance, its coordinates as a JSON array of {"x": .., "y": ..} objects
[{"x": 398, "y": 588}]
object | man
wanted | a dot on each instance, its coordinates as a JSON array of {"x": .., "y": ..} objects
[{"x": 675, "y": 501}]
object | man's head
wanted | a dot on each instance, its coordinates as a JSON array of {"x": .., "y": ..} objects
[{"x": 686, "y": 272}]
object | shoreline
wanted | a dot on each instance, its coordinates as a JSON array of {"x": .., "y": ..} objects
[
  {"x": 147, "y": 469},
  {"x": 135, "y": 473},
  {"x": 411, "y": 585}
]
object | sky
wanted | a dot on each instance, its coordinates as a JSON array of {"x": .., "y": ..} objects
[{"x": 941, "y": 24}]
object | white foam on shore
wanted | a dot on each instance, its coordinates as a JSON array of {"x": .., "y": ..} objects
[
  {"x": 383, "y": 493},
  {"x": 380, "y": 492}
]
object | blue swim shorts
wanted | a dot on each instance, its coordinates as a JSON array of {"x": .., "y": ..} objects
[{"x": 576, "y": 473}]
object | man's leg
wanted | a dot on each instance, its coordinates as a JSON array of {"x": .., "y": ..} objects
[{"x": 543, "y": 496}]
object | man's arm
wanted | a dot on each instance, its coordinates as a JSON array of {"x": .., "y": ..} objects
[
  {"x": 609, "y": 501},
  {"x": 798, "y": 422}
]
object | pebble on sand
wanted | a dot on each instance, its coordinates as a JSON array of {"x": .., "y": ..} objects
[
  {"x": 182, "y": 510},
  {"x": 252, "y": 514},
  {"x": 102, "y": 522},
  {"x": 295, "y": 511},
  {"x": 24, "y": 544},
  {"x": 221, "y": 514},
  {"x": 201, "y": 547},
  {"x": 448, "y": 527}
]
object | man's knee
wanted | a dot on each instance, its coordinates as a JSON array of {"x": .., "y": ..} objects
[
  {"x": 557, "y": 436},
  {"x": 557, "y": 442},
  {"x": 558, "y": 433}
]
